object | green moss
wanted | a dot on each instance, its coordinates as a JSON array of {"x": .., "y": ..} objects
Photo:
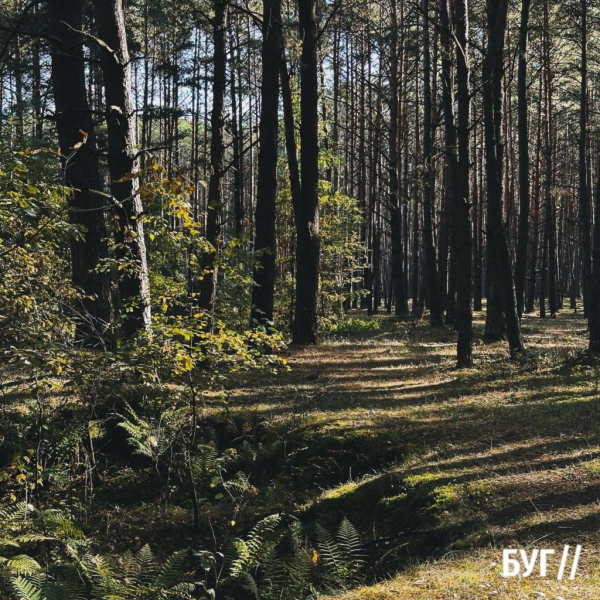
[
  {"x": 413, "y": 481},
  {"x": 446, "y": 496},
  {"x": 592, "y": 467}
]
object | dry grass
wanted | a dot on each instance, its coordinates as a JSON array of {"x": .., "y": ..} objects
[{"x": 447, "y": 465}]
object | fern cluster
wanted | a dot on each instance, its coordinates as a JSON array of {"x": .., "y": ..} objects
[
  {"x": 44, "y": 556},
  {"x": 275, "y": 561}
]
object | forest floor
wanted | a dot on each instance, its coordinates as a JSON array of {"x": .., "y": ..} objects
[{"x": 440, "y": 469}]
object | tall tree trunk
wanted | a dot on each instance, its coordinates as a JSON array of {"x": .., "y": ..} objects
[
  {"x": 292, "y": 160},
  {"x": 290, "y": 134},
  {"x": 134, "y": 286},
  {"x": 371, "y": 274},
  {"x": 584, "y": 200},
  {"x": 209, "y": 267},
  {"x": 401, "y": 309},
  {"x": 502, "y": 288},
  {"x": 430, "y": 266},
  {"x": 236, "y": 133},
  {"x": 451, "y": 174},
  {"x": 307, "y": 213},
  {"x": 533, "y": 261},
  {"x": 477, "y": 229},
  {"x": 464, "y": 312},
  {"x": 550, "y": 235},
  {"x": 552, "y": 267},
  {"x": 264, "y": 241},
  {"x": 594, "y": 281},
  {"x": 544, "y": 267},
  {"x": 75, "y": 125},
  {"x": 524, "y": 208}
]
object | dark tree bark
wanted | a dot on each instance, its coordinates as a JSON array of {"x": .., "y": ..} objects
[
  {"x": 501, "y": 299},
  {"x": 584, "y": 200},
  {"x": 209, "y": 267},
  {"x": 533, "y": 261},
  {"x": 524, "y": 208},
  {"x": 544, "y": 267},
  {"x": 416, "y": 234},
  {"x": 552, "y": 266},
  {"x": 594, "y": 281},
  {"x": 550, "y": 235},
  {"x": 236, "y": 134},
  {"x": 307, "y": 212},
  {"x": 372, "y": 273},
  {"x": 464, "y": 312},
  {"x": 290, "y": 134},
  {"x": 134, "y": 286},
  {"x": 401, "y": 307},
  {"x": 264, "y": 241},
  {"x": 75, "y": 125},
  {"x": 449, "y": 235},
  {"x": 477, "y": 229},
  {"x": 430, "y": 263}
]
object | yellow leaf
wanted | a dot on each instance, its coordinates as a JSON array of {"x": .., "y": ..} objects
[
  {"x": 21, "y": 478},
  {"x": 59, "y": 370}
]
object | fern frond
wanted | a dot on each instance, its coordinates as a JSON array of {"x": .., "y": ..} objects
[
  {"x": 23, "y": 565},
  {"x": 329, "y": 551},
  {"x": 25, "y": 589},
  {"x": 351, "y": 545},
  {"x": 147, "y": 567},
  {"x": 172, "y": 571}
]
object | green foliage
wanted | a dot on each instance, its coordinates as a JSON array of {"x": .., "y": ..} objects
[
  {"x": 34, "y": 233},
  {"x": 342, "y": 556},
  {"x": 343, "y": 253},
  {"x": 272, "y": 561}
]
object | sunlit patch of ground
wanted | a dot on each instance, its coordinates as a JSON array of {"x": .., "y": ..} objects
[
  {"x": 451, "y": 465},
  {"x": 476, "y": 576}
]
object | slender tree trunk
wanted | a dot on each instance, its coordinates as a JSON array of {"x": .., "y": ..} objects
[
  {"x": 307, "y": 213},
  {"x": 266, "y": 194},
  {"x": 134, "y": 285},
  {"x": 544, "y": 267},
  {"x": 290, "y": 133},
  {"x": 395, "y": 204},
  {"x": 464, "y": 312},
  {"x": 552, "y": 267},
  {"x": 584, "y": 200},
  {"x": 477, "y": 230},
  {"x": 594, "y": 281},
  {"x": 236, "y": 133},
  {"x": 524, "y": 208},
  {"x": 430, "y": 265},
  {"x": 532, "y": 278},
  {"x": 209, "y": 270},
  {"x": 550, "y": 235},
  {"x": 502, "y": 288},
  {"x": 449, "y": 237},
  {"x": 76, "y": 127}
]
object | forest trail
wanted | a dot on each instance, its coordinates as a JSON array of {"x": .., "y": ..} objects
[{"x": 431, "y": 461}]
